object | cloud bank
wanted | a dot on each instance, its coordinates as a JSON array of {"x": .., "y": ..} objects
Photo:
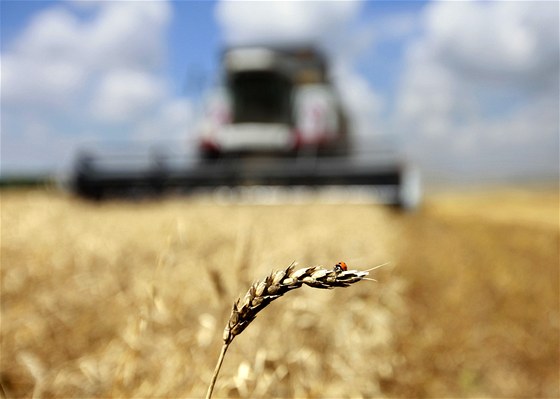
[
  {"x": 479, "y": 94},
  {"x": 86, "y": 70}
]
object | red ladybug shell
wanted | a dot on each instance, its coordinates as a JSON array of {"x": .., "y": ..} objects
[{"x": 341, "y": 266}]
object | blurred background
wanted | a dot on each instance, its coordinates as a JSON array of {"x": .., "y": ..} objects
[{"x": 129, "y": 298}]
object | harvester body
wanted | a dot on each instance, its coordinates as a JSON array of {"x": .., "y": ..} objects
[
  {"x": 276, "y": 120},
  {"x": 275, "y": 102}
]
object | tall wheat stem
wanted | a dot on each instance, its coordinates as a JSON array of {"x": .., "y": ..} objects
[{"x": 217, "y": 370}]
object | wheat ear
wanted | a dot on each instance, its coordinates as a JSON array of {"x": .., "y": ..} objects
[{"x": 274, "y": 286}]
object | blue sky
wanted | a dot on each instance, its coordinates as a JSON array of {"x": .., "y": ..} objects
[{"x": 468, "y": 88}]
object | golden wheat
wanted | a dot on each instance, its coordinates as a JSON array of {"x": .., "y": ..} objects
[{"x": 273, "y": 286}]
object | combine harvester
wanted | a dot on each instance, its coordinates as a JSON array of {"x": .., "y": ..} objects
[{"x": 276, "y": 121}]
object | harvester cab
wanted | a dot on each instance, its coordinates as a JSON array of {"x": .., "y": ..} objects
[{"x": 274, "y": 101}]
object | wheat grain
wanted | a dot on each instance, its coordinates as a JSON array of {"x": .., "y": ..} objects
[
  {"x": 273, "y": 286},
  {"x": 278, "y": 283}
]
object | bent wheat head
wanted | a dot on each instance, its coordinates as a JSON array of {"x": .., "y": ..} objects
[
  {"x": 274, "y": 286},
  {"x": 277, "y": 284}
]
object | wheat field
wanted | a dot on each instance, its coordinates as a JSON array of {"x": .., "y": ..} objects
[{"x": 121, "y": 299}]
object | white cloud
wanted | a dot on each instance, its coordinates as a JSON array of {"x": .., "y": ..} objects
[
  {"x": 129, "y": 35},
  {"x": 169, "y": 125},
  {"x": 41, "y": 67},
  {"x": 122, "y": 34},
  {"x": 468, "y": 97},
  {"x": 29, "y": 82},
  {"x": 124, "y": 95},
  {"x": 516, "y": 39},
  {"x": 54, "y": 33},
  {"x": 293, "y": 21},
  {"x": 72, "y": 76}
]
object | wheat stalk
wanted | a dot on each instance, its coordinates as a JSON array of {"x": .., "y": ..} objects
[{"x": 273, "y": 286}]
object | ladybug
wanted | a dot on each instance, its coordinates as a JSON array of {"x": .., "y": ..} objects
[{"x": 340, "y": 267}]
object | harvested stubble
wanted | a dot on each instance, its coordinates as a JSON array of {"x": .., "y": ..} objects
[{"x": 273, "y": 286}]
